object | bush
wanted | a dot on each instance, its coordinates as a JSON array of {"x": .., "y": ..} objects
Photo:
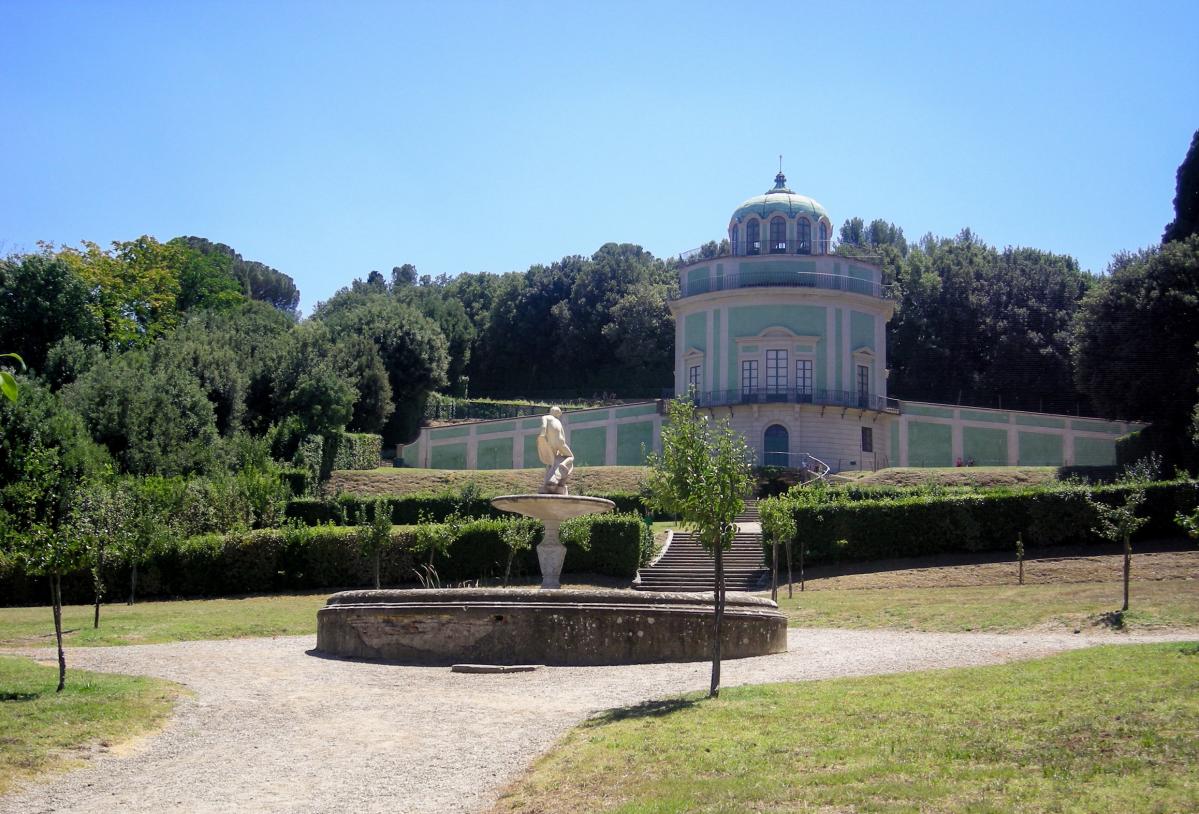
[
  {"x": 887, "y": 523},
  {"x": 355, "y": 450},
  {"x": 331, "y": 557}
]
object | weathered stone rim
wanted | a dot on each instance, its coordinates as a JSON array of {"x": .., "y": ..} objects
[{"x": 568, "y": 597}]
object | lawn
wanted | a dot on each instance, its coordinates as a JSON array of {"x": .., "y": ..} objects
[
  {"x": 155, "y": 622},
  {"x": 958, "y": 475},
  {"x": 1105, "y": 729},
  {"x": 41, "y": 730},
  {"x": 1155, "y": 604},
  {"x": 402, "y": 481}
]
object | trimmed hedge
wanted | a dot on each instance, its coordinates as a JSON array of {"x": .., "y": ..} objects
[
  {"x": 329, "y": 557},
  {"x": 357, "y": 450},
  {"x": 349, "y": 510},
  {"x": 921, "y": 525}
]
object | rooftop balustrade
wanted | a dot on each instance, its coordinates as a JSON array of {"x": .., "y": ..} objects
[
  {"x": 754, "y": 278},
  {"x": 792, "y": 395}
]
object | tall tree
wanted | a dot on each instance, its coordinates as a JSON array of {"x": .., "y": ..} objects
[
  {"x": 1135, "y": 337},
  {"x": 1186, "y": 197},
  {"x": 42, "y": 302},
  {"x": 703, "y": 475}
]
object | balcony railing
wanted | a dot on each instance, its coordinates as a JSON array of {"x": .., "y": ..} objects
[
  {"x": 750, "y": 248},
  {"x": 793, "y": 395},
  {"x": 752, "y": 278}
]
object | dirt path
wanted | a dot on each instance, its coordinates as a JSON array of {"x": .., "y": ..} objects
[{"x": 273, "y": 728}]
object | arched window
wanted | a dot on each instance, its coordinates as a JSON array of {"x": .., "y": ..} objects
[
  {"x": 736, "y": 234},
  {"x": 778, "y": 235},
  {"x": 776, "y": 446},
  {"x": 803, "y": 236},
  {"x": 753, "y": 240},
  {"x": 823, "y": 238}
]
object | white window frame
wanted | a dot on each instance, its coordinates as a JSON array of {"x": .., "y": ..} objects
[{"x": 749, "y": 383}]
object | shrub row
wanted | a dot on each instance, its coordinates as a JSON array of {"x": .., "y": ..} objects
[
  {"x": 328, "y": 557},
  {"x": 408, "y": 509},
  {"x": 921, "y": 525},
  {"x": 357, "y": 450}
]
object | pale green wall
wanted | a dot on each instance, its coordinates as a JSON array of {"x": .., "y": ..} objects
[
  {"x": 986, "y": 446},
  {"x": 494, "y": 454},
  {"x": 641, "y": 409},
  {"x": 531, "y": 459},
  {"x": 588, "y": 446},
  {"x": 499, "y": 426},
  {"x": 895, "y": 444},
  {"x": 929, "y": 444},
  {"x": 751, "y": 320},
  {"x": 1096, "y": 426},
  {"x": 839, "y": 384},
  {"x": 448, "y": 456},
  {"x": 1041, "y": 421},
  {"x": 449, "y": 432},
  {"x": 861, "y": 331},
  {"x": 1040, "y": 449},
  {"x": 983, "y": 415},
  {"x": 697, "y": 280},
  {"x": 924, "y": 409},
  {"x": 695, "y": 334},
  {"x": 1094, "y": 451},
  {"x": 633, "y": 442}
]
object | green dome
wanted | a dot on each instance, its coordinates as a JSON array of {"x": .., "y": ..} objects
[{"x": 782, "y": 201}]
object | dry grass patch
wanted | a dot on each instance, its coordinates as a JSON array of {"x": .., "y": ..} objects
[
  {"x": 403, "y": 481},
  {"x": 43, "y": 731}
]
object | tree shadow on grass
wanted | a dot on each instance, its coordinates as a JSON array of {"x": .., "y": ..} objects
[
  {"x": 646, "y": 709},
  {"x": 1112, "y": 619}
]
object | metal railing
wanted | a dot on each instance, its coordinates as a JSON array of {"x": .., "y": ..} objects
[
  {"x": 752, "y": 248},
  {"x": 754, "y": 278},
  {"x": 793, "y": 395}
]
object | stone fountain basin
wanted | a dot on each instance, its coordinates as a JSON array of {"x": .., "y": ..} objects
[
  {"x": 530, "y": 626},
  {"x": 552, "y": 507}
]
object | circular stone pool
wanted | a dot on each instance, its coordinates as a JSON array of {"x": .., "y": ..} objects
[{"x": 529, "y": 626}]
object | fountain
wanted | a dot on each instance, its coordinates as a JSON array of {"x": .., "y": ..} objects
[{"x": 549, "y": 625}]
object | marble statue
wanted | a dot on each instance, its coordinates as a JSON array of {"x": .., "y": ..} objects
[{"x": 555, "y": 454}]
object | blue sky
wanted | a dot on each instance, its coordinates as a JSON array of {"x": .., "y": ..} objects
[{"x": 329, "y": 139}]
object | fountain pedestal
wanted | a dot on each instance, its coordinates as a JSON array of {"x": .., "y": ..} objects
[{"x": 551, "y": 510}]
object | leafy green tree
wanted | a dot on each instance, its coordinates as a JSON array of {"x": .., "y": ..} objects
[
  {"x": 702, "y": 476},
  {"x": 778, "y": 524},
  {"x": 42, "y": 302},
  {"x": 357, "y": 359},
  {"x": 257, "y": 281},
  {"x": 1135, "y": 338},
  {"x": 518, "y": 538},
  {"x": 45, "y": 454},
  {"x": 153, "y": 521},
  {"x": 101, "y": 520},
  {"x": 410, "y": 345},
  {"x": 153, "y": 421},
  {"x": 1118, "y": 523},
  {"x": 1186, "y": 198},
  {"x": 374, "y": 534}
]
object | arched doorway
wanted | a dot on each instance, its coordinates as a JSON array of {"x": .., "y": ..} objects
[{"x": 776, "y": 446}]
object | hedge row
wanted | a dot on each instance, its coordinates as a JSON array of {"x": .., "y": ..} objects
[
  {"x": 357, "y": 450},
  {"x": 936, "y": 524},
  {"x": 330, "y": 557},
  {"x": 351, "y": 510}
]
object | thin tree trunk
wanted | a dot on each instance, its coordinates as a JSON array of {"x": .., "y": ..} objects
[
  {"x": 377, "y": 583},
  {"x": 133, "y": 583},
  {"x": 774, "y": 570},
  {"x": 56, "y": 602},
  {"x": 1127, "y": 569},
  {"x": 718, "y": 596},
  {"x": 508, "y": 567},
  {"x": 801, "y": 583},
  {"x": 790, "y": 584},
  {"x": 98, "y": 584}
]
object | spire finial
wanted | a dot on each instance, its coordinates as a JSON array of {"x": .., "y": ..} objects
[{"x": 780, "y": 180}]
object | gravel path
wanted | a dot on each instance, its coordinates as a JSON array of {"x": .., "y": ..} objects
[{"x": 273, "y": 728}]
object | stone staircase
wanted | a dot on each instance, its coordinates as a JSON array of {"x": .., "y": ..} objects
[{"x": 687, "y": 567}]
